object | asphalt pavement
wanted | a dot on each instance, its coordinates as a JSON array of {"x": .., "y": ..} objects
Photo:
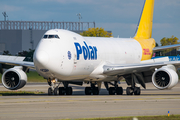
[{"x": 151, "y": 102}]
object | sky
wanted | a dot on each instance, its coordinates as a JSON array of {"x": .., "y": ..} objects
[{"x": 119, "y": 16}]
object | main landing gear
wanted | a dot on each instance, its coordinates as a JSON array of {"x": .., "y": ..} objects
[
  {"x": 54, "y": 89},
  {"x": 92, "y": 90},
  {"x": 113, "y": 90},
  {"x": 135, "y": 80},
  {"x": 131, "y": 90}
]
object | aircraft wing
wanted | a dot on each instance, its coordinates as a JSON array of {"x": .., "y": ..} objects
[
  {"x": 136, "y": 68},
  {"x": 114, "y": 69},
  {"x": 165, "y": 47},
  {"x": 15, "y": 60}
]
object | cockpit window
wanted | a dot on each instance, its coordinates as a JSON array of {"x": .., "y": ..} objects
[
  {"x": 45, "y": 36},
  {"x": 51, "y": 36},
  {"x": 56, "y": 36}
]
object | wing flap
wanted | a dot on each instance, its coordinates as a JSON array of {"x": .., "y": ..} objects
[
  {"x": 113, "y": 70},
  {"x": 135, "y": 68}
]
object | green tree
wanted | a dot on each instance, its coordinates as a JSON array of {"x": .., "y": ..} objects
[
  {"x": 96, "y": 32},
  {"x": 6, "y": 52},
  {"x": 157, "y": 44},
  {"x": 169, "y": 41},
  {"x": 27, "y": 54}
]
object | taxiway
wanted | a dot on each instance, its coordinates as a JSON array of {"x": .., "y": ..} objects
[{"x": 150, "y": 102}]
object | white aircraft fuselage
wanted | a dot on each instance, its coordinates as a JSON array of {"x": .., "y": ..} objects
[{"x": 74, "y": 57}]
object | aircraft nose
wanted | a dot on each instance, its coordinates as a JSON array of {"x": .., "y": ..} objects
[{"x": 41, "y": 57}]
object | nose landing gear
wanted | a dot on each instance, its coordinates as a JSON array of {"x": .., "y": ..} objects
[{"x": 52, "y": 88}]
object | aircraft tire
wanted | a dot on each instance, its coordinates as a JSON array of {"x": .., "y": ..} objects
[
  {"x": 50, "y": 91},
  {"x": 61, "y": 91},
  {"x": 112, "y": 91},
  {"x": 69, "y": 91},
  {"x": 119, "y": 91},
  {"x": 96, "y": 91},
  {"x": 137, "y": 91},
  {"x": 56, "y": 91},
  {"x": 88, "y": 90},
  {"x": 129, "y": 91}
]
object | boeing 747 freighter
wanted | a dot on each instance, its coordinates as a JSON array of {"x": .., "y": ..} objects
[{"x": 66, "y": 57}]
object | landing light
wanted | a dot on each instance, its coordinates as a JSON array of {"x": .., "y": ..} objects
[{"x": 53, "y": 81}]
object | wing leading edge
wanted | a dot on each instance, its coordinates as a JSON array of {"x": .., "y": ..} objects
[
  {"x": 155, "y": 49},
  {"x": 114, "y": 69},
  {"x": 16, "y": 61}
]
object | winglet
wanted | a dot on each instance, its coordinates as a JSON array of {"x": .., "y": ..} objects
[{"x": 145, "y": 25}]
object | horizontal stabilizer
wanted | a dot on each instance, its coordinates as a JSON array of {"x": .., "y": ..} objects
[{"x": 165, "y": 47}]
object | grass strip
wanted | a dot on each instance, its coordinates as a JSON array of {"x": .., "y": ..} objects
[
  {"x": 9, "y": 93},
  {"x": 33, "y": 76},
  {"x": 163, "y": 117}
]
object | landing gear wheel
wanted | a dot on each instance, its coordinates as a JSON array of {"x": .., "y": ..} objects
[
  {"x": 119, "y": 91},
  {"x": 56, "y": 91},
  {"x": 88, "y": 90},
  {"x": 112, "y": 91},
  {"x": 129, "y": 91},
  {"x": 50, "y": 91},
  {"x": 137, "y": 91},
  {"x": 61, "y": 91},
  {"x": 69, "y": 91},
  {"x": 96, "y": 91}
]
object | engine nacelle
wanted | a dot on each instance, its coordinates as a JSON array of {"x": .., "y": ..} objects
[
  {"x": 165, "y": 77},
  {"x": 14, "y": 78}
]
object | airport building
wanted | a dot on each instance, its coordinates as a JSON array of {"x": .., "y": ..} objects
[{"x": 16, "y": 36}]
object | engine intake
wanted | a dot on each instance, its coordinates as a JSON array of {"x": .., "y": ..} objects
[
  {"x": 14, "y": 78},
  {"x": 165, "y": 78}
]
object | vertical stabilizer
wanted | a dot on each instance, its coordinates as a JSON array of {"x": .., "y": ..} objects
[{"x": 145, "y": 25}]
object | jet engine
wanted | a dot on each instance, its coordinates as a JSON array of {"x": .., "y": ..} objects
[
  {"x": 14, "y": 78},
  {"x": 165, "y": 77}
]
